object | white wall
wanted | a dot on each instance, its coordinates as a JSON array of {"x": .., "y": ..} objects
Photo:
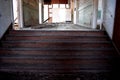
[
  {"x": 57, "y": 12},
  {"x": 5, "y": 15},
  {"x": 109, "y": 15}
]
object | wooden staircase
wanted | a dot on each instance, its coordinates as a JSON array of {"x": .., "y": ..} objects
[{"x": 56, "y": 55}]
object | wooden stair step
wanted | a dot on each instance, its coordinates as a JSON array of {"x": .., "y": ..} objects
[
  {"x": 57, "y": 38},
  {"x": 57, "y": 53},
  {"x": 54, "y": 35},
  {"x": 35, "y": 32},
  {"x": 62, "y": 49},
  {"x": 56, "y": 71},
  {"x": 57, "y": 44},
  {"x": 56, "y": 67},
  {"x": 55, "y": 61},
  {"x": 80, "y": 57}
]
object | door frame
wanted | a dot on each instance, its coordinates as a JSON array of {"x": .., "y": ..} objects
[
  {"x": 20, "y": 14},
  {"x": 116, "y": 30}
]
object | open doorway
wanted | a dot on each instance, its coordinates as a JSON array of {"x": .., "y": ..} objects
[{"x": 57, "y": 14}]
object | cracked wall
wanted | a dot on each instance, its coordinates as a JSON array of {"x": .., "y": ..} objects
[{"x": 30, "y": 12}]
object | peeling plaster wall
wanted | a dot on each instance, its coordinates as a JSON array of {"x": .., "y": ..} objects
[
  {"x": 5, "y": 15},
  {"x": 30, "y": 12},
  {"x": 109, "y": 15},
  {"x": 85, "y": 12}
]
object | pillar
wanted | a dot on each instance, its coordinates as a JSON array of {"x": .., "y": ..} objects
[
  {"x": 95, "y": 12},
  {"x": 20, "y": 14},
  {"x": 40, "y": 11}
]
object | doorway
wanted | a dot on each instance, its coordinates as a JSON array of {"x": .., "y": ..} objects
[{"x": 57, "y": 13}]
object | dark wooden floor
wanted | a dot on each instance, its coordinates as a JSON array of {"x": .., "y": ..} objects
[{"x": 58, "y": 55}]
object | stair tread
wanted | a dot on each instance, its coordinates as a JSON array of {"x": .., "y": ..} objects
[
  {"x": 55, "y": 31},
  {"x": 57, "y": 53},
  {"x": 54, "y": 35},
  {"x": 59, "y": 71},
  {"x": 70, "y": 49},
  {"x": 51, "y": 38},
  {"x": 54, "y": 41},
  {"x": 81, "y": 57}
]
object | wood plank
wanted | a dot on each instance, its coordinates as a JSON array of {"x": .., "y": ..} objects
[
  {"x": 72, "y": 38},
  {"x": 57, "y": 44}
]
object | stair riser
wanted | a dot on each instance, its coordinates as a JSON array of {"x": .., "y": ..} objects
[
  {"x": 58, "y": 52},
  {"x": 59, "y": 38},
  {"x": 57, "y": 70},
  {"x": 89, "y": 33},
  {"x": 57, "y": 63},
  {"x": 57, "y": 45},
  {"x": 50, "y": 66}
]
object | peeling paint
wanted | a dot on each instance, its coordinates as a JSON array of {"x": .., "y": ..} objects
[
  {"x": 85, "y": 12},
  {"x": 30, "y": 12}
]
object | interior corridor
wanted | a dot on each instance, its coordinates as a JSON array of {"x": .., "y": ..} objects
[{"x": 57, "y": 14}]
